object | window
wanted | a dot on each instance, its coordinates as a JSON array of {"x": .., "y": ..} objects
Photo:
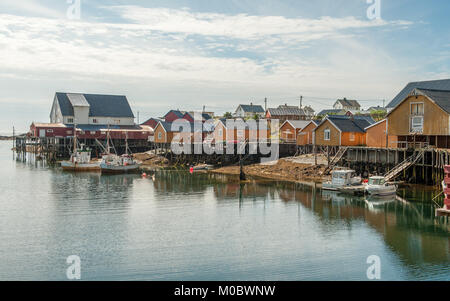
[
  {"x": 159, "y": 135},
  {"x": 220, "y": 132},
  {"x": 416, "y": 124},
  {"x": 94, "y": 120},
  {"x": 92, "y": 132},
  {"x": 417, "y": 108},
  {"x": 327, "y": 134},
  {"x": 69, "y": 132},
  {"x": 69, "y": 120},
  {"x": 49, "y": 131},
  {"x": 352, "y": 137}
]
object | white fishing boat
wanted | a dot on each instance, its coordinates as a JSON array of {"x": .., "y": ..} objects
[
  {"x": 80, "y": 160},
  {"x": 113, "y": 163},
  {"x": 341, "y": 179},
  {"x": 377, "y": 186}
]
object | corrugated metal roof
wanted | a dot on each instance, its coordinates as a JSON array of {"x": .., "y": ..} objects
[
  {"x": 442, "y": 85},
  {"x": 286, "y": 111},
  {"x": 99, "y": 105}
]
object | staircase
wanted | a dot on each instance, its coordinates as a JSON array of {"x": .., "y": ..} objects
[
  {"x": 403, "y": 166},
  {"x": 340, "y": 153}
]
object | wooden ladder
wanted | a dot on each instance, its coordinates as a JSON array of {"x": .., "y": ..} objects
[
  {"x": 403, "y": 166},
  {"x": 340, "y": 153}
]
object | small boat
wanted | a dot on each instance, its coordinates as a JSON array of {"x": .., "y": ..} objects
[
  {"x": 203, "y": 167},
  {"x": 80, "y": 160},
  {"x": 378, "y": 187},
  {"x": 113, "y": 163},
  {"x": 341, "y": 179}
]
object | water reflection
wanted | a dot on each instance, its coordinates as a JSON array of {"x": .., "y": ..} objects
[{"x": 179, "y": 226}]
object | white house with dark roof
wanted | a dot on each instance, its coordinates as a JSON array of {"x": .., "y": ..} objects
[
  {"x": 91, "y": 109},
  {"x": 347, "y": 104},
  {"x": 249, "y": 111}
]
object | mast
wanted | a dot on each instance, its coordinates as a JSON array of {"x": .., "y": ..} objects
[
  {"x": 126, "y": 143},
  {"x": 107, "y": 141},
  {"x": 74, "y": 138}
]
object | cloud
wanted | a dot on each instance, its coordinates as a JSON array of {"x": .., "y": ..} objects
[
  {"x": 242, "y": 26},
  {"x": 182, "y": 56},
  {"x": 30, "y": 7}
]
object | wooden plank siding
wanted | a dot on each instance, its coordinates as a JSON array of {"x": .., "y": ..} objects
[
  {"x": 435, "y": 121},
  {"x": 335, "y": 134},
  {"x": 288, "y": 133},
  {"x": 376, "y": 136},
  {"x": 305, "y": 136},
  {"x": 161, "y": 136}
]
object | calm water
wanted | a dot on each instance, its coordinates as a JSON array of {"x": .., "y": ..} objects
[{"x": 205, "y": 227}]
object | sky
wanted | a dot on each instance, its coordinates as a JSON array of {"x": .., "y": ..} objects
[{"x": 179, "y": 54}]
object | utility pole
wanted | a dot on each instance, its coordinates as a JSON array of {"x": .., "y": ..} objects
[
  {"x": 301, "y": 100},
  {"x": 265, "y": 104},
  {"x": 138, "y": 117},
  {"x": 383, "y": 102}
]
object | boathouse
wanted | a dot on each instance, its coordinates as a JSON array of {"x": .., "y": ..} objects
[
  {"x": 421, "y": 118},
  {"x": 91, "y": 109},
  {"x": 306, "y": 135},
  {"x": 238, "y": 130},
  {"x": 290, "y": 129},
  {"x": 376, "y": 136},
  {"x": 342, "y": 131}
]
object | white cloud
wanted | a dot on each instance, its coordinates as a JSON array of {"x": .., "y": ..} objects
[{"x": 174, "y": 54}]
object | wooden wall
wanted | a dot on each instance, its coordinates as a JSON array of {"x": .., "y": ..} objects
[
  {"x": 436, "y": 121},
  {"x": 305, "y": 136},
  {"x": 334, "y": 137}
]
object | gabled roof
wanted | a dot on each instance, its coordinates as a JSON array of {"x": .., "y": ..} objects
[
  {"x": 286, "y": 111},
  {"x": 355, "y": 124},
  {"x": 251, "y": 108},
  {"x": 99, "y": 105},
  {"x": 441, "y": 85},
  {"x": 178, "y": 113},
  {"x": 297, "y": 124},
  {"x": 440, "y": 98},
  {"x": 349, "y": 102}
]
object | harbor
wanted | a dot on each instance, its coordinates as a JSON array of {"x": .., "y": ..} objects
[{"x": 258, "y": 222}]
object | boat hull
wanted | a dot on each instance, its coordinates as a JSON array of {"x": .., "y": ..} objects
[
  {"x": 117, "y": 169},
  {"x": 80, "y": 167},
  {"x": 381, "y": 191}
]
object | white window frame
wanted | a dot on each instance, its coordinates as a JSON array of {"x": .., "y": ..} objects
[
  {"x": 415, "y": 129},
  {"x": 327, "y": 135},
  {"x": 159, "y": 135},
  {"x": 70, "y": 120},
  {"x": 352, "y": 137},
  {"x": 416, "y": 103}
]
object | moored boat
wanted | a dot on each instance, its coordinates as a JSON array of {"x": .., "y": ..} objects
[
  {"x": 377, "y": 186},
  {"x": 80, "y": 160},
  {"x": 113, "y": 163},
  {"x": 341, "y": 179}
]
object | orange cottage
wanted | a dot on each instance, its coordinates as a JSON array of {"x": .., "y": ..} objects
[
  {"x": 290, "y": 129},
  {"x": 342, "y": 131},
  {"x": 306, "y": 135}
]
